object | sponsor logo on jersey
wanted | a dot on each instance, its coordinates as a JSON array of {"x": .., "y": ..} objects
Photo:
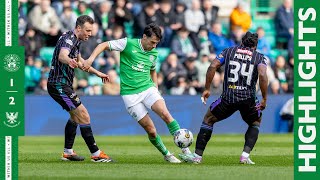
[
  {"x": 237, "y": 87},
  {"x": 139, "y": 67},
  {"x": 244, "y": 51}
]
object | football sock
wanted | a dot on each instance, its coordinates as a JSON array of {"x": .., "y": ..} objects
[
  {"x": 70, "y": 132},
  {"x": 186, "y": 151},
  {"x": 203, "y": 138},
  {"x": 87, "y": 135},
  {"x": 244, "y": 154},
  {"x": 68, "y": 151},
  {"x": 251, "y": 138},
  {"x": 157, "y": 142},
  {"x": 97, "y": 153},
  {"x": 173, "y": 127}
]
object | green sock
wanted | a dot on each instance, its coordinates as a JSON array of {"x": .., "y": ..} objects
[
  {"x": 173, "y": 127},
  {"x": 157, "y": 142}
]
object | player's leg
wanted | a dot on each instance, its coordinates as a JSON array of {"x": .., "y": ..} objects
[
  {"x": 59, "y": 93},
  {"x": 155, "y": 139},
  {"x": 69, "y": 137},
  {"x": 218, "y": 110},
  {"x": 156, "y": 102},
  {"x": 140, "y": 113},
  {"x": 253, "y": 118},
  {"x": 81, "y": 115}
]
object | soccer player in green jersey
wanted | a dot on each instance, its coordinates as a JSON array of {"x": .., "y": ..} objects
[{"x": 139, "y": 89}]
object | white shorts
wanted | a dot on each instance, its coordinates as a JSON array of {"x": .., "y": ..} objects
[{"x": 137, "y": 104}]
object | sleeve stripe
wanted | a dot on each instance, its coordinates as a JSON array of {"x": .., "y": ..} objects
[
  {"x": 262, "y": 64},
  {"x": 66, "y": 48},
  {"x": 110, "y": 48}
]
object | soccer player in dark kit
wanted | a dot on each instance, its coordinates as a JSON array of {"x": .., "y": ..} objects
[
  {"x": 243, "y": 66},
  {"x": 66, "y": 57}
]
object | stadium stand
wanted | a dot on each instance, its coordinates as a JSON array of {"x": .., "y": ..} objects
[{"x": 262, "y": 13}]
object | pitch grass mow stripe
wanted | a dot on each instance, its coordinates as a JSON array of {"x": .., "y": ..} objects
[{"x": 138, "y": 159}]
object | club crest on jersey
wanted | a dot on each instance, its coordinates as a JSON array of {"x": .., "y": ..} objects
[
  {"x": 68, "y": 41},
  {"x": 151, "y": 58}
]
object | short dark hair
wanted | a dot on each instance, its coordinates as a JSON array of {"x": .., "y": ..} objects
[
  {"x": 152, "y": 29},
  {"x": 81, "y": 20},
  {"x": 250, "y": 39}
]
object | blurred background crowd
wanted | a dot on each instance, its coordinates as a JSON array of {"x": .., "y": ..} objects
[{"x": 194, "y": 32}]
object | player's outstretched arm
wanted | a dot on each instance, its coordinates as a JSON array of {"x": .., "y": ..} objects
[
  {"x": 65, "y": 59},
  {"x": 98, "y": 50},
  {"x": 209, "y": 76},
  {"x": 104, "y": 77},
  {"x": 263, "y": 82}
]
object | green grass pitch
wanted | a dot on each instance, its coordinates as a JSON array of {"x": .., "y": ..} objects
[{"x": 138, "y": 159}]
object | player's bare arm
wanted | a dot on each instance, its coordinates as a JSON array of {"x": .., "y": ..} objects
[
  {"x": 65, "y": 59},
  {"x": 263, "y": 82},
  {"x": 104, "y": 77},
  {"x": 153, "y": 75},
  {"x": 98, "y": 50},
  {"x": 209, "y": 76}
]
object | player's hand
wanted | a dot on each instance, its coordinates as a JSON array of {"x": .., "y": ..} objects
[
  {"x": 261, "y": 106},
  {"x": 86, "y": 65},
  {"x": 205, "y": 96},
  {"x": 73, "y": 63},
  {"x": 105, "y": 78}
]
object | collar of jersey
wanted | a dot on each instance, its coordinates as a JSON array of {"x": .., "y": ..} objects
[
  {"x": 243, "y": 47},
  {"x": 74, "y": 33},
  {"x": 139, "y": 40}
]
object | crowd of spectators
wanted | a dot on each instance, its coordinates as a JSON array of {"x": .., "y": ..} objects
[{"x": 192, "y": 32}]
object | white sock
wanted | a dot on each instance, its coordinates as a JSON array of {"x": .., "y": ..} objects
[
  {"x": 186, "y": 150},
  {"x": 168, "y": 153},
  {"x": 244, "y": 154},
  {"x": 197, "y": 155},
  {"x": 97, "y": 153},
  {"x": 68, "y": 151}
]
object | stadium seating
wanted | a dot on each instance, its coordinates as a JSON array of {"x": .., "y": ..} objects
[
  {"x": 128, "y": 28},
  {"x": 274, "y": 53},
  {"x": 162, "y": 55},
  {"x": 46, "y": 54}
]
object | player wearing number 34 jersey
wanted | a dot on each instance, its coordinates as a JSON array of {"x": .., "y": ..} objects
[{"x": 243, "y": 66}]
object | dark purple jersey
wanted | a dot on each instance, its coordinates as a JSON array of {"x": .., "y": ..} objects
[
  {"x": 62, "y": 73},
  {"x": 241, "y": 72}
]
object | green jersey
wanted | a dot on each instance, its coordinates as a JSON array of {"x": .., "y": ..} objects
[{"x": 135, "y": 65}]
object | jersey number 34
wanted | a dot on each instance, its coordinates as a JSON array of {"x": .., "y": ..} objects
[{"x": 243, "y": 72}]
